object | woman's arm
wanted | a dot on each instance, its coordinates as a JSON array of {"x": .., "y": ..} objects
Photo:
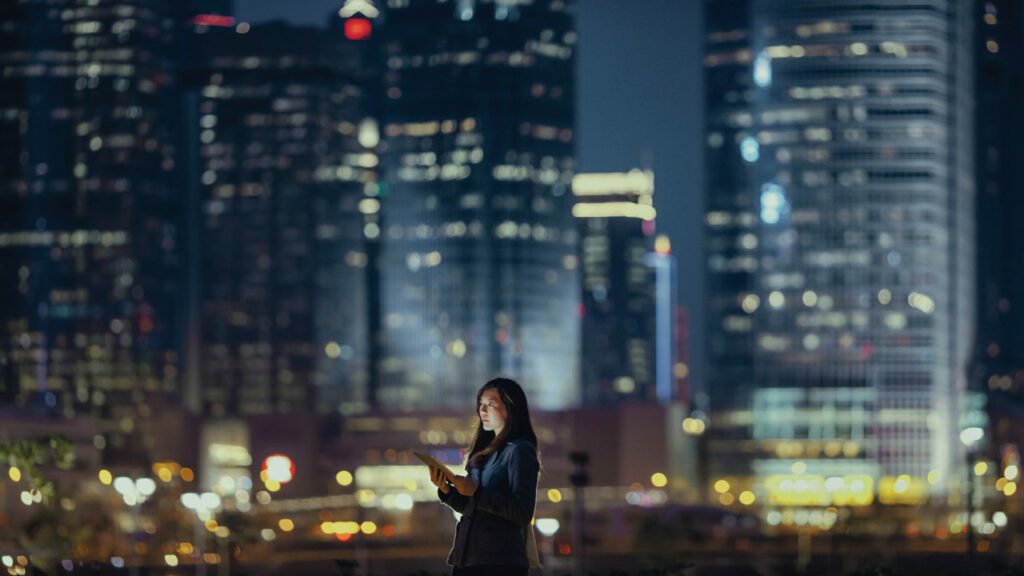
[
  {"x": 453, "y": 499},
  {"x": 518, "y": 506}
]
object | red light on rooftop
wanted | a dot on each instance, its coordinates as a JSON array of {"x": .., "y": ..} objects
[
  {"x": 358, "y": 29},
  {"x": 213, "y": 20}
]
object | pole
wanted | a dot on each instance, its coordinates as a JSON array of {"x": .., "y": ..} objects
[
  {"x": 970, "y": 510},
  {"x": 135, "y": 531}
]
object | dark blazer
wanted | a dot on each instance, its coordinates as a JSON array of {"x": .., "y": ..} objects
[{"x": 492, "y": 530}]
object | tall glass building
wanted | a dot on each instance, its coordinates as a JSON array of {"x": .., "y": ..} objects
[
  {"x": 615, "y": 215},
  {"x": 284, "y": 176},
  {"x": 479, "y": 266},
  {"x": 839, "y": 236},
  {"x": 89, "y": 248}
]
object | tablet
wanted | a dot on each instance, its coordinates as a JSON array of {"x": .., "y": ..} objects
[{"x": 434, "y": 463}]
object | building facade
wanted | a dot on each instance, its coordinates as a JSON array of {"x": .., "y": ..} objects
[
  {"x": 840, "y": 248},
  {"x": 89, "y": 243},
  {"x": 615, "y": 215},
  {"x": 284, "y": 178},
  {"x": 479, "y": 267}
]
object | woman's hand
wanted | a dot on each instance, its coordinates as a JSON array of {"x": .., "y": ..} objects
[
  {"x": 437, "y": 479},
  {"x": 464, "y": 485}
]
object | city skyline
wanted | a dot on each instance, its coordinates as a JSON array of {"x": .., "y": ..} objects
[{"x": 256, "y": 267}]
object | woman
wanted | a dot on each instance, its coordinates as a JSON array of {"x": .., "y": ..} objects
[{"x": 497, "y": 496}]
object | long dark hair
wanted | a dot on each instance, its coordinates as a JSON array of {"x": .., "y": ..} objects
[{"x": 517, "y": 424}]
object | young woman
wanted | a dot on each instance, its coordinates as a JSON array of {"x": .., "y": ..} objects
[{"x": 498, "y": 494}]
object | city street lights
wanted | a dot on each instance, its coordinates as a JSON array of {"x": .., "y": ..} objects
[
  {"x": 204, "y": 506},
  {"x": 970, "y": 437},
  {"x": 134, "y": 493}
]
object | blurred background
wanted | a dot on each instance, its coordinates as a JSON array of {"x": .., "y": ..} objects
[{"x": 753, "y": 261}]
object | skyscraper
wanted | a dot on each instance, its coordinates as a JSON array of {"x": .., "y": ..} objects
[
  {"x": 286, "y": 179},
  {"x": 88, "y": 242},
  {"x": 839, "y": 230},
  {"x": 479, "y": 262},
  {"x": 615, "y": 215}
]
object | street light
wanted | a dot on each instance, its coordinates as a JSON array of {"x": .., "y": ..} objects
[
  {"x": 970, "y": 437},
  {"x": 204, "y": 505}
]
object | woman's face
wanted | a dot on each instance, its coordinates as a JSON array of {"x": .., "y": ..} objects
[{"x": 492, "y": 411}]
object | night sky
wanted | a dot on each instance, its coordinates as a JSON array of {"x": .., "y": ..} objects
[{"x": 640, "y": 101}]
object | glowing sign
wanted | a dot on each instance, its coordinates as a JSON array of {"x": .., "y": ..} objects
[
  {"x": 279, "y": 468},
  {"x": 213, "y": 20},
  {"x": 358, "y": 29},
  {"x": 364, "y": 7}
]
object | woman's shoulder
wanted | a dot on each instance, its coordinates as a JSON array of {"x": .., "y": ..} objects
[{"x": 521, "y": 446}]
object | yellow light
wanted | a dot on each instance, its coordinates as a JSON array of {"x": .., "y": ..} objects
[
  {"x": 991, "y": 19},
  {"x": 15, "y": 474},
  {"x": 171, "y": 559},
  {"x": 1001, "y": 483},
  {"x": 368, "y": 527},
  {"x": 726, "y": 499},
  {"x": 658, "y": 480},
  {"x": 165, "y": 474},
  {"x": 693, "y": 426},
  {"x": 934, "y": 477},
  {"x": 614, "y": 210},
  {"x": 184, "y": 547},
  {"x": 992, "y": 46},
  {"x": 222, "y": 532},
  {"x": 747, "y": 498},
  {"x": 286, "y": 524},
  {"x": 346, "y": 528},
  {"x": 681, "y": 370},
  {"x": 555, "y": 495},
  {"x": 902, "y": 489},
  {"x": 632, "y": 182},
  {"x": 273, "y": 486},
  {"x": 722, "y": 486},
  {"x": 798, "y": 468},
  {"x": 662, "y": 245},
  {"x": 1010, "y": 489},
  {"x": 980, "y": 468},
  {"x": 344, "y": 477},
  {"x": 332, "y": 350},
  {"x": 327, "y": 527},
  {"x": 106, "y": 477}
]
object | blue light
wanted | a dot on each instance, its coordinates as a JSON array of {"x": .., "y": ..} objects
[
  {"x": 763, "y": 70},
  {"x": 773, "y": 203},
  {"x": 750, "y": 150}
]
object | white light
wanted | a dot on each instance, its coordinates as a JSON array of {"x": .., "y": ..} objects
[
  {"x": 1011, "y": 472},
  {"x": 773, "y": 203},
  {"x": 209, "y": 500},
  {"x": 124, "y": 485},
  {"x": 403, "y": 502},
  {"x": 999, "y": 519},
  {"x": 364, "y": 7},
  {"x": 547, "y": 526},
  {"x": 145, "y": 486},
  {"x": 969, "y": 436},
  {"x": 117, "y": 562},
  {"x": 369, "y": 134},
  {"x": 750, "y": 150},
  {"x": 190, "y": 500},
  {"x": 763, "y": 70}
]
